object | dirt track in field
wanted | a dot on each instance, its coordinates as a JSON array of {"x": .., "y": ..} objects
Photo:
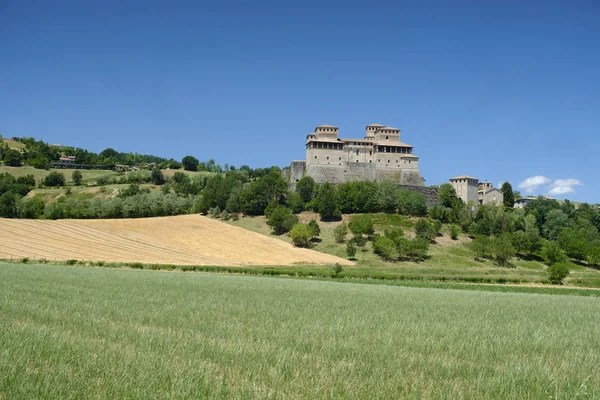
[{"x": 181, "y": 240}]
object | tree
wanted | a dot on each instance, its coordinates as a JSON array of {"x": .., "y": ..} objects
[
  {"x": 54, "y": 179},
  {"x": 507, "y": 193},
  {"x": 351, "y": 249},
  {"x": 306, "y": 188},
  {"x": 481, "y": 247},
  {"x": 157, "y": 176},
  {"x": 282, "y": 220},
  {"x": 553, "y": 254},
  {"x": 454, "y": 232},
  {"x": 30, "y": 208},
  {"x": 295, "y": 202},
  {"x": 361, "y": 225},
  {"x": 13, "y": 158},
  {"x": 502, "y": 249},
  {"x": 327, "y": 203},
  {"x": 594, "y": 255},
  {"x": 519, "y": 241},
  {"x": 300, "y": 234},
  {"x": 315, "y": 229},
  {"x": 340, "y": 233},
  {"x": 534, "y": 240},
  {"x": 556, "y": 221},
  {"x": 388, "y": 196},
  {"x": 190, "y": 163},
  {"x": 76, "y": 177},
  {"x": 574, "y": 243},
  {"x": 385, "y": 247},
  {"x": 8, "y": 205},
  {"x": 557, "y": 272},
  {"x": 447, "y": 195}
]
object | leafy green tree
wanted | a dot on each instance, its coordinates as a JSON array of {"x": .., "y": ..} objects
[
  {"x": 327, "y": 203},
  {"x": 534, "y": 240},
  {"x": 447, "y": 195},
  {"x": 76, "y": 177},
  {"x": 30, "y": 208},
  {"x": 190, "y": 163},
  {"x": 8, "y": 205},
  {"x": 282, "y": 220},
  {"x": 502, "y": 249},
  {"x": 481, "y": 247},
  {"x": 315, "y": 228},
  {"x": 385, "y": 247},
  {"x": 557, "y": 273},
  {"x": 454, "y": 232},
  {"x": 300, "y": 235},
  {"x": 415, "y": 249},
  {"x": 520, "y": 241},
  {"x": 157, "y": 176},
  {"x": 556, "y": 222},
  {"x": 305, "y": 187},
  {"x": 540, "y": 208},
  {"x": 54, "y": 179},
  {"x": 340, "y": 232},
  {"x": 388, "y": 196},
  {"x": 507, "y": 192},
  {"x": 594, "y": 255},
  {"x": 256, "y": 195},
  {"x": 350, "y": 249},
  {"x": 295, "y": 202},
  {"x": 553, "y": 253},
  {"x": 13, "y": 158},
  {"x": 574, "y": 243},
  {"x": 395, "y": 234},
  {"x": 361, "y": 225},
  {"x": 425, "y": 230}
]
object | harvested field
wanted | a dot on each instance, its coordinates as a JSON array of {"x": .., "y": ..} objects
[{"x": 181, "y": 240}]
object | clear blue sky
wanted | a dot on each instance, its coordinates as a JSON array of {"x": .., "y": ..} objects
[{"x": 497, "y": 89}]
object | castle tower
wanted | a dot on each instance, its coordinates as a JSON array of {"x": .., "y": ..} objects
[
  {"x": 370, "y": 131},
  {"x": 387, "y": 134},
  {"x": 327, "y": 132},
  {"x": 466, "y": 188}
]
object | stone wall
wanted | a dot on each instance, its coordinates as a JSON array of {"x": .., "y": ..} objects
[
  {"x": 294, "y": 173},
  {"x": 431, "y": 193},
  {"x": 337, "y": 174}
]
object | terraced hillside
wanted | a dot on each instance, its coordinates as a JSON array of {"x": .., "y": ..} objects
[{"x": 181, "y": 240}]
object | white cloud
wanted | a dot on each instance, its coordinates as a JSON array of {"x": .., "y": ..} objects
[
  {"x": 529, "y": 185},
  {"x": 563, "y": 186}
]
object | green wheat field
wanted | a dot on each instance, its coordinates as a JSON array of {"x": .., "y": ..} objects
[{"x": 68, "y": 332}]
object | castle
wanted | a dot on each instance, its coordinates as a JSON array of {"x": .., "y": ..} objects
[
  {"x": 379, "y": 156},
  {"x": 471, "y": 191}
]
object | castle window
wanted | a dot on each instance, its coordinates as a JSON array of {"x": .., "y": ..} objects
[
  {"x": 357, "y": 152},
  {"x": 370, "y": 161},
  {"x": 315, "y": 157},
  {"x": 370, "y": 152},
  {"x": 356, "y": 160},
  {"x": 386, "y": 138},
  {"x": 340, "y": 158},
  {"x": 328, "y": 157}
]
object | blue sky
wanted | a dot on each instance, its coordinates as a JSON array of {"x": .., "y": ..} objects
[{"x": 500, "y": 90}]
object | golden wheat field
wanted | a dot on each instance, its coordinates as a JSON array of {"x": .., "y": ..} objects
[{"x": 180, "y": 240}]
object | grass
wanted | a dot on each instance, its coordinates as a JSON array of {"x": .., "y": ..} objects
[
  {"x": 449, "y": 260},
  {"x": 40, "y": 174},
  {"x": 13, "y": 144},
  {"x": 71, "y": 332}
]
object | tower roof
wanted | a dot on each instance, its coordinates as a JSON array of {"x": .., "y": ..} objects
[
  {"x": 463, "y": 177},
  {"x": 326, "y": 126}
]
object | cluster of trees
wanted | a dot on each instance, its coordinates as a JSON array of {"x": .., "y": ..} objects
[{"x": 12, "y": 191}]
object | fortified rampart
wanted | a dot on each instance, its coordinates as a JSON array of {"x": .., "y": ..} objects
[{"x": 431, "y": 193}]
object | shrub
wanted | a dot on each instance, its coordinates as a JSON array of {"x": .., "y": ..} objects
[
  {"x": 25, "y": 260},
  {"x": 454, "y": 232},
  {"x": 54, "y": 179},
  {"x": 225, "y": 215},
  {"x": 437, "y": 226},
  {"x": 71, "y": 262},
  {"x": 425, "y": 230},
  {"x": 593, "y": 256},
  {"x": 415, "y": 249},
  {"x": 361, "y": 225},
  {"x": 337, "y": 269},
  {"x": 394, "y": 234},
  {"x": 385, "y": 247},
  {"x": 557, "y": 272},
  {"x": 553, "y": 253},
  {"x": 360, "y": 241},
  {"x": 301, "y": 234},
  {"x": 351, "y": 249},
  {"x": 282, "y": 220},
  {"x": 215, "y": 212},
  {"x": 235, "y": 216},
  {"x": 157, "y": 176},
  {"x": 340, "y": 233}
]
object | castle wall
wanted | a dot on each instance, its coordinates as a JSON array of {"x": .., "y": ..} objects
[
  {"x": 336, "y": 174},
  {"x": 295, "y": 173}
]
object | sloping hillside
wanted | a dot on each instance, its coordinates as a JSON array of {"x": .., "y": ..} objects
[{"x": 182, "y": 240}]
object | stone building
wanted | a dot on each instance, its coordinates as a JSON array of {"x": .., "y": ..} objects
[
  {"x": 469, "y": 189},
  {"x": 378, "y": 156}
]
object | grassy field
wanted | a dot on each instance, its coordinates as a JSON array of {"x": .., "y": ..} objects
[
  {"x": 40, "y": 174},
  {"x": 85, "y": 332},
  {"x": 449, "y": 259}
]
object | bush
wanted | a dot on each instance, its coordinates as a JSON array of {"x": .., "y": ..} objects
[
  {"x": 235, "y": 216},
  {"x": 425, "y": 230},
  {"x": 340, "y": 232},
  {"x": 385, "y": 247},
  {"x": 359, "y": 241},
  {"x": 454, "y": 232},
  {"x": 415, "y": 249},
  {"x": 395, "y": 234},
  {"x": 54, "y": 179},
  {"x": 361, "y": 225},
  {"x": 553, "y": 253},
  {"x": 350, "y": 249},
  {"x": 215, "y": 212},
  {"x": 502, "y": 249},
  {"x": 557, "y": 272},
  {"x": 593, "y": 256},
  {"x": 225, "y": 215},
  {"x": 301, "y": 234},
  {"x": 337, "y": 269},
  {"x": 71, "y": 262},
  {"x": 157, "y": 176},
  {"x": 282, "y": 220},
  {"x": 437, "y": 226}
]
